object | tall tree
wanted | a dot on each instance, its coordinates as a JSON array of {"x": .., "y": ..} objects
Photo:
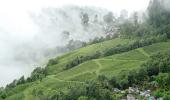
[{"x": 159, "y": 16}]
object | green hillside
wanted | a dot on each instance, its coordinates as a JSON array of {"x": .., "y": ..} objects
[
  {"x": 130, "y": 60},
  {"x": 62, "y": 80},
  {"x": 88, "y": 50}
]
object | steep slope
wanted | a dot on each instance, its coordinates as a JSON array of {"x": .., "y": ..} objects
[
  {"x": 62, "y": 80},
  {"x": 88, "y": 50}
]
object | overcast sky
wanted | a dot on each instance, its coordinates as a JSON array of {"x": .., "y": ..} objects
[
  {"x": 14, "y": 13},
  {"x": 14, "y": 17},
  {"x": 15, "y": 6}
]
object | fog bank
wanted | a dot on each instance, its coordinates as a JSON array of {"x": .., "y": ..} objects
[{"x": 33, "y": 31}]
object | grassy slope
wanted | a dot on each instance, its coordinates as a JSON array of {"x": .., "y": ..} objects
[
  {"x": 109, "y": 66},
  {"x": 88, "y": 50}
]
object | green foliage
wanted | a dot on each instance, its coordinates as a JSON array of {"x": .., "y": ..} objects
[
  {"x": 52, "y": 62},
  {"x": 123, "y": 83},
  {"x": 38, "y": 74},
  {"x": 12, "y": 84},
  {"x": 85, "y": 51},
  {"x": 157, "y": 65},
  {"x": 39, "y": 93},
  {"x": 21, "y": 80},
  {"x": 167, "y": 97},
  {"x": 157, "y": 22},
  {"x": 75, "y": 92},
  {"x": 83, "y": 98},
  {"x": 94, "y": 90},
  {"x": 159, "y": 17},
  {"x": 56, "y": 86},
  {"x": 127, "y": 29},
  {"x": 82, "y": 59},
  {"x": 18, "y": 96},
  {"x": 158, "y": 14},
  {"x": 163, "y": 79},
  {"x": 116, "y": 50},
  {"x": 113, "y": 82},
  {"x": 3, "y": 94},
  {"x": 158, "y": 94},
  {"x": 104, "y": 81},
  {"x": 57, "y": 96},
  {"x": 16, "y": 82},
  {"x": 132, "y": 77},
  {"x": 136, "y": 44}
]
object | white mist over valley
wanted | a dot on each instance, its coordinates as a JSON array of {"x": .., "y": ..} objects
[{"x": 32, "y": 31}]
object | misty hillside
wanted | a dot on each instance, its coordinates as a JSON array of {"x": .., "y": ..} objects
[
  {"x": 62, "y": 76},
  {"x": 72, "y": 26},
  {"x": 52, "y": 32},
  {"x": 93, "y": 54}
]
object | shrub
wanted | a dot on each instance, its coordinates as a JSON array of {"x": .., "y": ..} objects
[
  {"x": 38, "y": 73},
  {"x": 83, "y": 98},
  {"x": 158, "y": 94},
  {"x": 166, "y": 97},
  {"x": 3, "y": 94},
  {"x": 52, "y": 62}
]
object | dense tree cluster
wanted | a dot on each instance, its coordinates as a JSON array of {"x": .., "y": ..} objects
[
  {"x": 134, "y": 45},
  {"x": 153, "y": 74},
  {"x": 16, "y": 82},
  {"x": 2, "y": 93},
  {"x": 132, "y": 30},
  {"x": 52, "y": 62},
  {"x": 156, "y": 23},
  {"x": 92, "y": 91},
  {"x": 96, "y": 90},
  {"x": 153, "y": 70},
  {"x": 37, "y": 74},
  {"x": 159, "y": 16}
]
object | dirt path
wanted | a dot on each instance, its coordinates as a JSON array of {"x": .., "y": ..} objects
[
  {"x": 143, "y": 52},
  {"x": 99, "y": 65}
]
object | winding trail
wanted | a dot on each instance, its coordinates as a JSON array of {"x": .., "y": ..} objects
[
  {"x": 55, "y": 78},
  {"x": 78, "y": 74},
  {"x": 99, "y": 65},
  {"x": 143, "y": 52},
  {"x": 120, "y": 59}
]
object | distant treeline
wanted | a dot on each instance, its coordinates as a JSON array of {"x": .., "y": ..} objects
[{"x": 157, "y": 22}]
